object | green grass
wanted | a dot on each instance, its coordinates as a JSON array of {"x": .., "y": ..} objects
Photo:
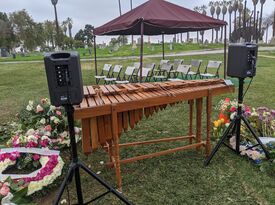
[
  {"x": 178, "y": 178},
  {"x": 125, "y": 50}
]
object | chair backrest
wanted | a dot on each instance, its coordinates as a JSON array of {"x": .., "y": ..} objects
[
  {"x": 117, "y": 68},
  {"x": 107, "y": 67},
  {"x": 214, "y": 64},
  {"x": 164, "y": 62},
  {"x": 196, "y": 63},
  {"x": 130, "y": 70},
  {"x": 137, "y": 65},
  {"x": 150, "y": 65},
  {"x": 145, "y": 72},
  {"x": 183, "y": 69},
  {"x": 166, "y": 67},
  {"x": 177, "y": 62}
]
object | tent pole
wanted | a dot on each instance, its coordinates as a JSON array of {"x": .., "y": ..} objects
[
  {"x": 163, "y": 46},
  {"x": 224, "y": 57},
  {"x": 95, "y": 55},
  {"x": 141, "y": 50}
]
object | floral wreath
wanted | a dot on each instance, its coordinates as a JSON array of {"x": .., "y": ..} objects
[{"x": 50, "y": 160}]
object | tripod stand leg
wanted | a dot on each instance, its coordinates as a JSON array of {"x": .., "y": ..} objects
[
  {"x": 78, "y": 186},
  {"x": 255, "y": 135},
  {"x": 216, "y": 148},
  {"x": 64, "y": 184},
  {"x": 86, "y": 169}
]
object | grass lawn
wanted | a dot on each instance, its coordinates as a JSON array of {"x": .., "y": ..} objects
[
  {"x": 125, "y": 50},
  {"x": 178, "y": 178}
]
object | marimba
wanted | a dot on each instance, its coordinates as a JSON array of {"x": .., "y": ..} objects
[{"x": 108, "y": 110}]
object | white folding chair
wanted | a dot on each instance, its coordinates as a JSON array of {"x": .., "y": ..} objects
[
  {"x": 106, "y": 69},
  {"x": 115, "y": 75},
  {"x": 215, "y": 66}
]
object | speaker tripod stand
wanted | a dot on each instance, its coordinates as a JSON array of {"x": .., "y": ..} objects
[
  {"x": 76, "y": 165},
  {"x": 235, "y": 128}
]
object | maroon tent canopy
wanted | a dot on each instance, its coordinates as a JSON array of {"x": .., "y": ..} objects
[{"x": 158, "y": 17}]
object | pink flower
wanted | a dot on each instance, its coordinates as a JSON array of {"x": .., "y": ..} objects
[
  {"x": 247, "y": 109},
  {"x": 4, "y": 190},
  {"x": 31, "y": 144},
  {"x": 44, "y": 143},
  {"x": 43, "y": 101},
  {"x": 48, "y": 128},
  {"x": 227, "y": 100},
  {"x": 39, "y": 108},
  {"x": 58, "y": 112},
  {"x": 232, "y": 109},
  {"x": 36, "y": 157}
]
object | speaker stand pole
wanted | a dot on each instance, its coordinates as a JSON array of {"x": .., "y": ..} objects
[
  {"x": 235, "y": 127},
  {"x": 75, "y": 167}
]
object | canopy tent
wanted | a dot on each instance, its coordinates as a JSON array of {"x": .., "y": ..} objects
[{"x": 158, "y": 17}]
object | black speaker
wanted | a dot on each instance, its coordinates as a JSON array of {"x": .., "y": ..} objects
[
  {"x": 242, "y": 59},
  {"x": 64, "y": 78}
]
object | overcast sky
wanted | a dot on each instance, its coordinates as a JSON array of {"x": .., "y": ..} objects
[{"x": 94, "y": 12}]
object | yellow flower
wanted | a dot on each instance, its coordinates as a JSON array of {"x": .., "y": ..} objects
[
  {"x": 222, "y": 120},
  {"x": 216, "y": 123}
]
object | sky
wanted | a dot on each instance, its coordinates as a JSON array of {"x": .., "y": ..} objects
[{"x": 97, "y": 12}]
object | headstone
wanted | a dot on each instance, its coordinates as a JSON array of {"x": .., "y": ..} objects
[{"x": 4, "y": 52}]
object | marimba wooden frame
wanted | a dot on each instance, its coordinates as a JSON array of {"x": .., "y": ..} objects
[{"x": 114, "y": 147}]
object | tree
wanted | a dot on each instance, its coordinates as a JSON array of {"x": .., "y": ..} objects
[
  {"x": 261, "y": 18},
  {"x": 50, "y": 33},
  {"x": 7, "y": 37},
  {"x": 235, "y": 8},
  {"x": 240, "y": 9},
  {"x": 70, "y": 26},
  {"x": 197, "y": 9},
  {"x": 88, "y": 34},
  {"x": 255, "y": 2},
  {"x": 230, "y": 10},
  {"x": 224, "y": 11},
  {"x": 79, "y": 36},
  {"x": 212, "y": 11},
  {"x": 24, "y": 28},
  {"x": 218, "y": 12},
  {"x": 64, "y": 26}
]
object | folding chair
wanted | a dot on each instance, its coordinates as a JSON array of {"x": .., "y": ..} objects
[
  {"x": 214, "y": 65},
  {"x": 128, "y": 75},
  {"x": 137, "y": 65},
  {"x": 183, "y": 70},
  {"x": 146, "y": 73},
  {"x": 147, "y": 65},
  {"x": 163, "y": 73},
  {"x": 106, "y": 69},
  {"x": 115, "y": 75},
  {"x": 177, "y": 62},
  {"x": 195, "y": 68}
]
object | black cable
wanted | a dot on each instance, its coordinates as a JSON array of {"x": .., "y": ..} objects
[{"x": 248, "y": 87}]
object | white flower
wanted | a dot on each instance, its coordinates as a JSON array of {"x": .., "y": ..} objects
[
  {"x": 99, "y": 172},
  {"x": 52, "y": 108},
  {"x": 30, "y": 132},
  {"x": 56, "y": 120},
  {"x": 77, "y": 130},
  {"x": 32, "y": 138},
  {"x": 63, "y": 201},
  {"x": 30, "y": 102},
  {"x": 232, "y": 116},
  {"x": 101, "y": 162},
  {"x": 43, "y": 121},
  {"x": 44, "y": 137},
  {"x": 52, "y": 118},
  {"x": 29, "y": 107},
  {"x": 7, "y": 199}
]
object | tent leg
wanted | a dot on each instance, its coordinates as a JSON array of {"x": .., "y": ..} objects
[
  {"x": 141, "y": 50},
  {"x": 163, "y": 46},
  {"x": 95, "y": 55},
  {"x": 224, "y": 57}
]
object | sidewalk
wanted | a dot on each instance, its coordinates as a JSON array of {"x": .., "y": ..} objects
[{"x": 185, "y": 53}]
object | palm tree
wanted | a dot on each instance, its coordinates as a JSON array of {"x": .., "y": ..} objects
[
  {"x": 197, "y": 9},
  {"x": 119, "y": 7},
  {"x": 235, "y": 8},
  {"x": 230, "y": 10},
  {"x": 203, "y": 8},
  {"x": 224, "y": 11},
  {"x": 70, "y": 25},
  {"x": 64, "y": 26},
  {"x": 261, "y": 18},
  {"x": 212, "y": 11},
  {"x": 255, "y": 2},
  {"x": 240, "y": 9},
  {"x": 218, "y": 12}
]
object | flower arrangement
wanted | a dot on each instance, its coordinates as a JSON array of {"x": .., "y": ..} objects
[
  {"x": 40, "y": 126},
  {"x": 52, "y": 166}
]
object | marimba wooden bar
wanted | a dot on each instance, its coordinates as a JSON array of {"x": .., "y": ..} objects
[{"x": 108, "y": 110}]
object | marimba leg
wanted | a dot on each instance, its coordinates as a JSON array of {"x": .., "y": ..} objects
[
  {"x": 191, "y": 105},
  {"x": 116, "y": 147},
  {"x": 199, "y": 121},
  {"x": 86, "y": 139},
  {"x": 208, "y": 123}
]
